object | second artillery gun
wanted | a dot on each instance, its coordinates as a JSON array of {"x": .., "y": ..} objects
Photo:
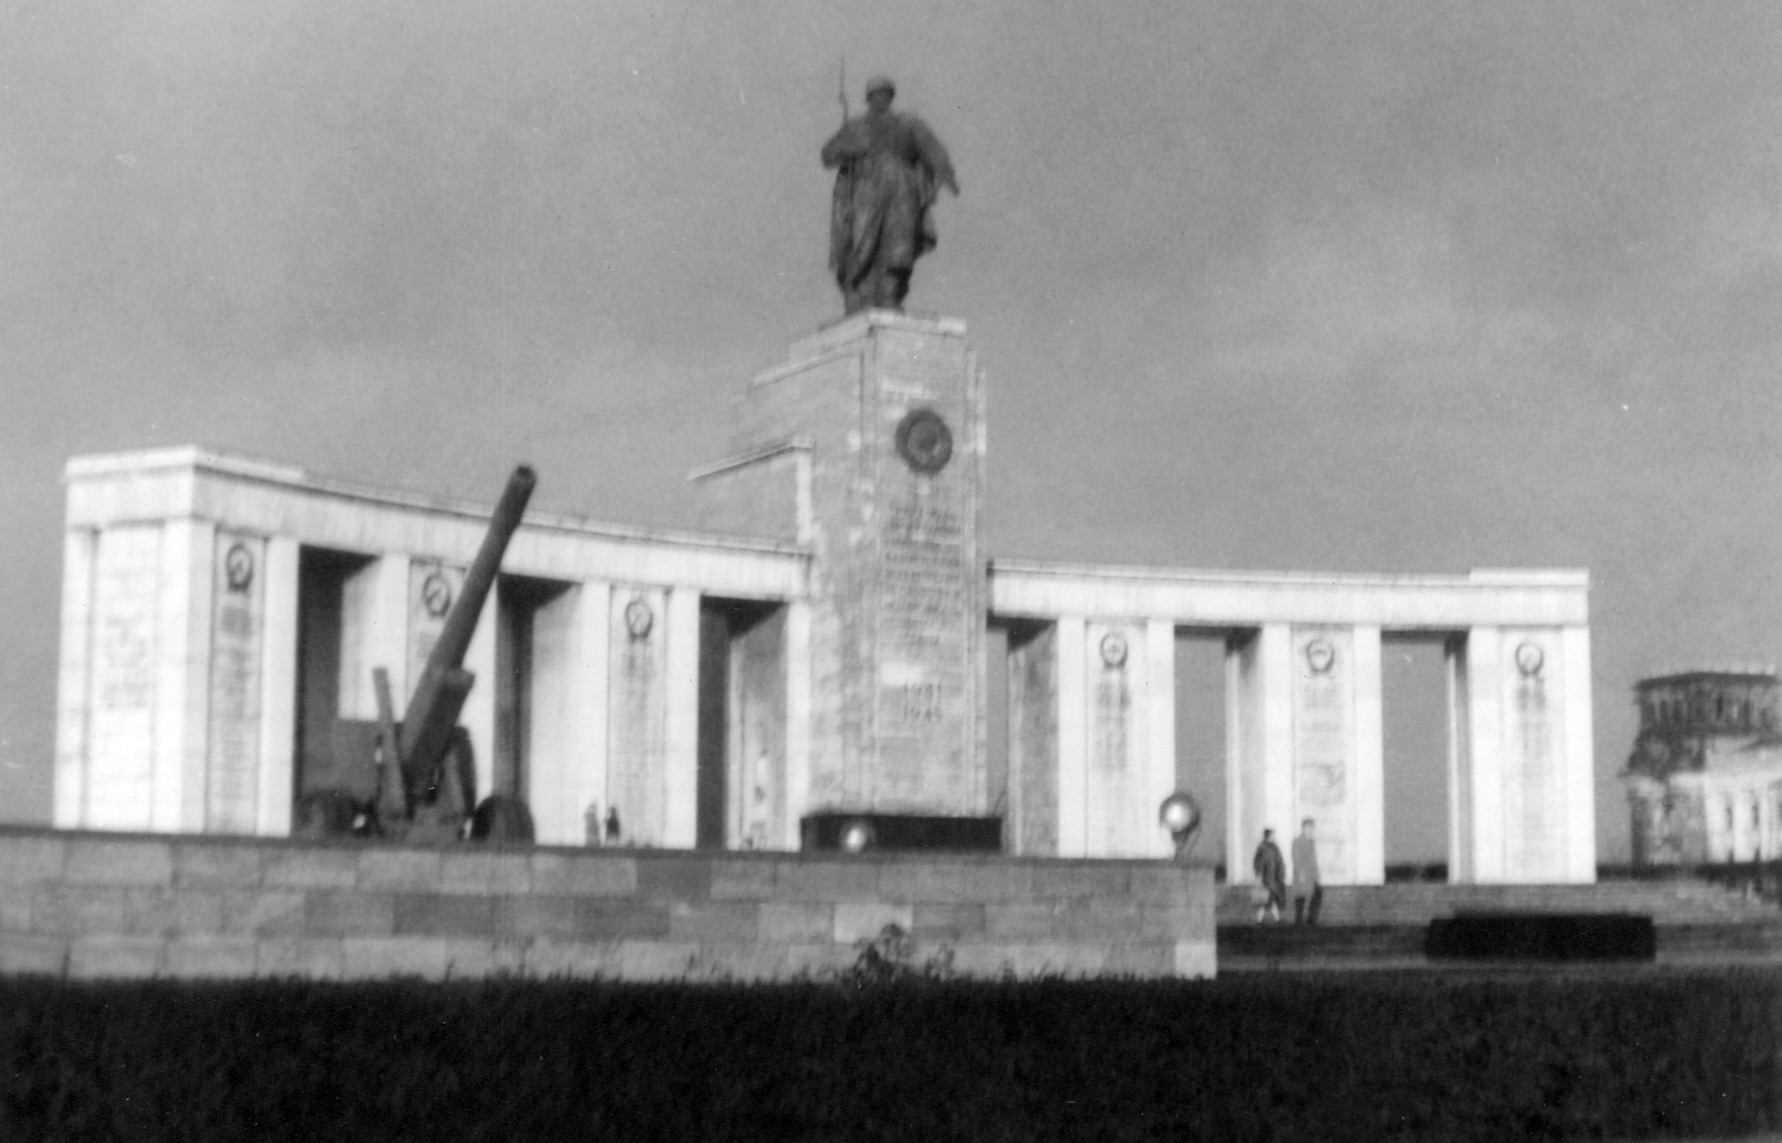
[{"x": 415, "y": 779}]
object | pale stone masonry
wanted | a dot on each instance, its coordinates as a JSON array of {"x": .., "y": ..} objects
[
  {"x": 827, "y": 655},
  {"x": 95, "y": 905}
]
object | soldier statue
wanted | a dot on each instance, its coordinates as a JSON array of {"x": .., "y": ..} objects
[{"x": 891, "y": 170}]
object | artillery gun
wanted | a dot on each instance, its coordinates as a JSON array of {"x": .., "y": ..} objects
[{"x": 415, "y": 779}]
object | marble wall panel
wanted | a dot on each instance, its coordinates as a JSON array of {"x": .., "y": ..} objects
[{"x": 238, "y": 620}]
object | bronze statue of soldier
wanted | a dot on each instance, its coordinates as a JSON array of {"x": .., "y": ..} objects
[{"x": 891, "y": 169}]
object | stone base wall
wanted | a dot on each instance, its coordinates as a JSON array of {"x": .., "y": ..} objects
[{"x": 107, "y": 905}]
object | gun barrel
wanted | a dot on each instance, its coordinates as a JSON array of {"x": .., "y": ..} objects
[{"x": 460, "y": 621}]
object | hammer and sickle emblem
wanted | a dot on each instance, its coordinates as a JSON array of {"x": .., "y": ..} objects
[
  {"x": 924, "y": 441},
  {"x": 436, "y": 594},
  {"x": 639, "y": 618},
  {"x": 238, "y": 567}
]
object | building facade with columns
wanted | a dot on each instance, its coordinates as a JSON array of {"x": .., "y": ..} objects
[
  {"x": 1704, "y": 779},
  {"x": 819, "y": 647}
]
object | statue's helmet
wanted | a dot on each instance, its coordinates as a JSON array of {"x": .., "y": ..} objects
[{"x": 881, "y": 83}]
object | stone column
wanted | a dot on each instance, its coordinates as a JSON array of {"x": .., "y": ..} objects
[
  {"x": 584, "y": 778},
  {"x": 1160, "y": 716},
  {"x": 74, "y": 679},
  {"x": 547, "y": 770},
  {"x": 1032, "y": 825},
  {"x": 1580, "y": 756},
  {"x": 235, "y": 685},
  {"x": 637, "y": 718},
  {"x": 680, "y": 764},
  {"x": 278, "y": 696},
  {"x": 118, "y": 788},
  {"x": 1460, "y": 739},
  {"x": 798, "y": 719},
  {"x": 1370, "y": 768},
  {"x": 1335, "y": 722},
  {"x": 374, "y": 633},
  {"x": 478, "y": 715},
  {"x": 182, "y": 675},
  {"x": 1480, "y": 764},
  {"x": 888, "y": 408},
  {"x": 1129, "y": 736},
  {"x": 1259, "y": 745},
  {"x": 1073, "y": 762},
  {"x": 1525, "y": 810}
]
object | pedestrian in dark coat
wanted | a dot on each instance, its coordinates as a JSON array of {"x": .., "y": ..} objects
[
  {"x": 1307, "y": 886},
  {"x": 1271, "y": 874}
]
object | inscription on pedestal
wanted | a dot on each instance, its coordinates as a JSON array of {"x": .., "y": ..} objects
[
  {"x": 922, "y": 646},
  {"x": 237, "y": 623}
]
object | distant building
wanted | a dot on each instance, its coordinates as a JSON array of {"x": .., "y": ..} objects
[{"x": 1704, "y": 781}]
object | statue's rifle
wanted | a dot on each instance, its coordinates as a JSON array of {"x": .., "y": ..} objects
[{"x": 842, "y": 206}]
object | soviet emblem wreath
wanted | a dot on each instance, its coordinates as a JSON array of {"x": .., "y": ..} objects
[{"x": 924, "y": 441}]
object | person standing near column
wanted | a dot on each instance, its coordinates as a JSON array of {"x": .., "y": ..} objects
[
  {"x": 1271, "y": 874},
  {"x": 1305, "y": 876}
]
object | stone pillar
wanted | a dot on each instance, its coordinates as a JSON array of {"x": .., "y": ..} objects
[
  {"x": 374, "y": 625},
  {"x": 74, "y": 692},
  {"x": 182, "y": 675},
  {"x": 546, "y": 779},
  {"x": 1579, "y": 754},
  {"x": 1031, "y": 828},
  {"x": 1160, "y": 714},
  {"x": 1370, "y": 761},
  {"x": 1073, "y": 764},
  {"x": 1127, "y": 717},
  {"x": 478, "y": 714},
  {"x": 637, "y": 718},
  {"x": 755, "y": 749},
  {"x": 119, "y": 765},
  {"x": 1460, "y": 738},
  {"x": 798, "y": 719},
  {"x": 680, "y": 761},
  {"x": 235, "y": 685},
  {"x": 889, "y": 408},
  {"x": 278, "y": 694},
  {"x": 585, "y": 783},
  {"x": 1337, "y": 778},
  {"x": 1525, "y": 808},
  {"x": 1259, "y": 745}
]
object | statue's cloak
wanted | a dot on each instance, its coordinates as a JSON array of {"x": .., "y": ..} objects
[{"x": 891, "y": 167}]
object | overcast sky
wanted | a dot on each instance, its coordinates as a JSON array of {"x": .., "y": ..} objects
[{"x": 1360, "y": 287}]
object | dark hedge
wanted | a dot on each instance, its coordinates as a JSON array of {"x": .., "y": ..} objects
[{"x": 1629, "y": 1056}]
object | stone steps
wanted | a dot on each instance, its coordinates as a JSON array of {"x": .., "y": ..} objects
[
  {"x": 1667, "y": 902},
  {"x": 1269, "y": 948},
  {"x": 1383, "y": 926}
]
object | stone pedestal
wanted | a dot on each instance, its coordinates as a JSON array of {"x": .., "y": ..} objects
[{"x": 868, "y": 445}]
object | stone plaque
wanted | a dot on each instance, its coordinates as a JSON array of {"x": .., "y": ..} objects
[
  {"x": 1324, "y": 746},
  {"x": 923, "y": 651},
  {"x": 236, "y": 631}
]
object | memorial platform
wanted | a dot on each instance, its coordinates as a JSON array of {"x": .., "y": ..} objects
[
  {"x": 1383, "y": 926},
  {"x": 109, "y": 905}
]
